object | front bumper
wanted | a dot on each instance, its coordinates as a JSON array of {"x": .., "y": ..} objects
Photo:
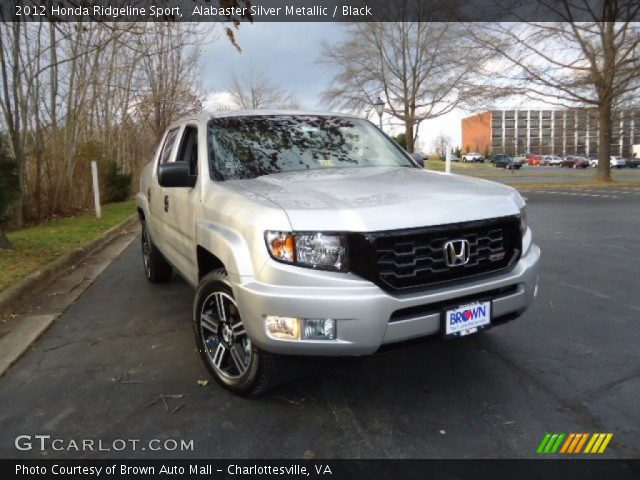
[{"x": 368, "y": 317}]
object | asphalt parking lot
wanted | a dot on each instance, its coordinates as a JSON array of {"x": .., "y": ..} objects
[
  {"x": 543, "y": 174},
  {"x": 570, "y": 364}
]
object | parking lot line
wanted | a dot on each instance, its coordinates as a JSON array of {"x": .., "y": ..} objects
[
  {"x": 620, "y": 192},
  {"x": 579, "y": 194}
]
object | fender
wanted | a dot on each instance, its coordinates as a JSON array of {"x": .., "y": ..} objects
[
  {"x": 228, "y": 245},
  {"x": 142, "y": 200},
  {"x": 142, "y": 203}
]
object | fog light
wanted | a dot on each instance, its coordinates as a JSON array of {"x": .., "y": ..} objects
[
  {"x": 294, "y": 328},
  {"x": 282, "y": 328},
  {"x": 319, "y": 329}
]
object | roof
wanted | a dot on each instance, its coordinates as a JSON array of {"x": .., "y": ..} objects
[{"x": 204, "y": 116}]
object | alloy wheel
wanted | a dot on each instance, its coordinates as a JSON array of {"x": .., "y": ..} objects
[
  {"x": 227, "y": 345},
  {"x": 146, "y": 250}
]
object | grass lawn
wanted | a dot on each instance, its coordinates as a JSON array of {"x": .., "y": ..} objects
[
  {"x": 438, "y": 165},
  {"x": 39, "y": 245}
]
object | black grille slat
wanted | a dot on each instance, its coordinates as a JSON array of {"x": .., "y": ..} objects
[{"x": 404, "y": 260}]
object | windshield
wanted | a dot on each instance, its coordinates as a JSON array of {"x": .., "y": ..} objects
[{"x": 252, "y": 146}]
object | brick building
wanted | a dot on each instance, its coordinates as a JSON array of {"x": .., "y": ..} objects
[{"x": 546, "y": 132}]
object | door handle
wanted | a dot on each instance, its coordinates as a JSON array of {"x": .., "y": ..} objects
[{"x": 166, "y": 203}]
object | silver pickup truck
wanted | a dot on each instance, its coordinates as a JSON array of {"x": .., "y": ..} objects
[{"x": 314, "y": 234}]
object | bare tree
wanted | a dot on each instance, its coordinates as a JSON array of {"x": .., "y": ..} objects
[
  {"x": 45, "y": 88},
  {"x": 255, "y": 90},
  {"x": 75, "y": 92},
  {"x": 589, "y": 64},
  {"x": 170, "y": 73},
  {"x": 7, "y": 190},
  {"x": 440, "y": 144},
  {"x": 421, "y": 69},
  {"x": 13, "y": 102}
]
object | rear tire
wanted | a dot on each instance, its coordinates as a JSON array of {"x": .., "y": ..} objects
[
  {"x": 157, "y": 269},
  {"x": 226, "y": 349}
]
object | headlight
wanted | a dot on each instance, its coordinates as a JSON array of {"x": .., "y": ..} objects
[
  {"x": 321, "y": 250},
  {"x": 523, "y": 220},
  {"x": 281, "y": 246},
  {"x": 309, "y": 249}
]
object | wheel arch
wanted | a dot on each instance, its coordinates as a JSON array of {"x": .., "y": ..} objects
[
  {"x": 207, "y": 262},
  {"x": 142, "y": 205},
  {"x": 221, "y": 247}
]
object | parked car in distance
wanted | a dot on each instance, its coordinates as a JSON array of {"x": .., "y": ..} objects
[
  {"x": 617, "y": 161},
  {"x": 574, "y": 161},
  {"x": 593, "y": 160},
  {"x": 534, "y": 160},
  {"x": 305, "y": 234},
  {"x": 552, "y": 160},
  {"x": 633, "y": 163},
  {"x": 454, "y": 158},
  {"x": 472, "y": 157},
  {"x": 521, "y": 158},
  {"x": 506, "y": 162}
]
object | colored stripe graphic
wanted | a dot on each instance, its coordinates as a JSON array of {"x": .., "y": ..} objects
[
  {"x": 573, "y": 443},
  {"x": 581, "y": 443},
  {"x": 605, "y": 442},
  {"x": 556, "y": 445},
  {"x": 550, "y": 443},
  {"x": 596, "y": 445},
  {"x": 567, "y": 442},
  {"x": 543, "y": 443},
  {"x": 598, "y": 442},
  {"x": 593, "y": 439}
]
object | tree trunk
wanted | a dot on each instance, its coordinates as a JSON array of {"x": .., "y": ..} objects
[
  {"x": 603, "y": 173},
  {"x": 20, "y": 216},
  {"x": 38, "y": 180},
  {"x": 5, "y": 244},
  {"x": 408, "y": 133}
]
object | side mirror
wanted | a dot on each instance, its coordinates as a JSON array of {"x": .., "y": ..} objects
[
  {"x": 175, "y": 174},
  {"x": 419, "y": 159}
]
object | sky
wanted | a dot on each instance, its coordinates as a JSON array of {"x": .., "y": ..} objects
[{"x": 288, "y": 54}]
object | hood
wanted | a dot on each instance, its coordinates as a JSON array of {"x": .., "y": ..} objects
[{"x": 381, "y": 198}]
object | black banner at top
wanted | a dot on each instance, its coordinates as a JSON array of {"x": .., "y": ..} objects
[{"x": 319, "y": 10}]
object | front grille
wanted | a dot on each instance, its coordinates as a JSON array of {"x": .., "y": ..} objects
[{"x": 406, "y": 260}]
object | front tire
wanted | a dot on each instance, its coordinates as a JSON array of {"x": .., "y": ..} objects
[
  {"x": 226, "y": 349},
  {"x": 156, "y": 267}
]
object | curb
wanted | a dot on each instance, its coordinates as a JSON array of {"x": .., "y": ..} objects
[{"x": 18, "y": 294}]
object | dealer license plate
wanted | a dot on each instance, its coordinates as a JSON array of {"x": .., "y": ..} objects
[{"x": 467, "y": 319}]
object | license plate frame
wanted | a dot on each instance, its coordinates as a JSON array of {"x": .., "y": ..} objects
[{"x": 462, "y": 328}]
